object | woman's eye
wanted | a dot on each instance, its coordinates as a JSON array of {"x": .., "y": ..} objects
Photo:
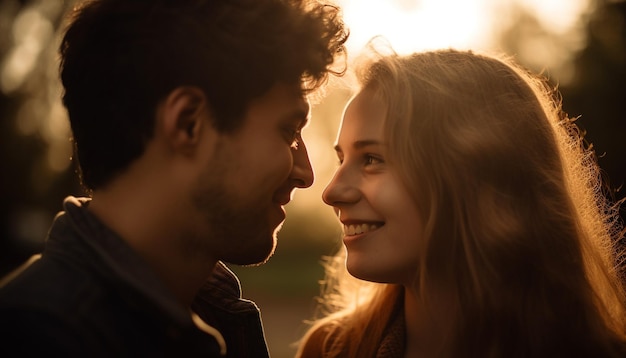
[{"x": 372, "y": 160}]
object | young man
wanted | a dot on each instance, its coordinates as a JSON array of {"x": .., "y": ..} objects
[{"x": 186, "y": 119}]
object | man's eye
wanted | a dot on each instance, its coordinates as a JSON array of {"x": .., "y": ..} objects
[
  {"x": 294, "y": 138},
  {"x": 295, "y": 143}
]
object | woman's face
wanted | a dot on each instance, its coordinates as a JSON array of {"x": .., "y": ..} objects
[{"x": 380, "y": 221}]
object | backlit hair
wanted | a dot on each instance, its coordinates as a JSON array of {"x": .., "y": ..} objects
[{"x": 519, "y": 236}]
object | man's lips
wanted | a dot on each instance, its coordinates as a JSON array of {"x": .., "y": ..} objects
[{"x": 282, "y": 197}]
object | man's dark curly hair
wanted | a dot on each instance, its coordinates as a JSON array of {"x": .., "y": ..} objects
[{"x": 119, "y": 58}]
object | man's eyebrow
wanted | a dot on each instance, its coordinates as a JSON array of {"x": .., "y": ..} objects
[
  {"x": 359, "y": 144},
  {"x": 300, "y": 116}
]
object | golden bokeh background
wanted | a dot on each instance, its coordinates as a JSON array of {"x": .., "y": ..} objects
[{"x": 579, "y": 44}]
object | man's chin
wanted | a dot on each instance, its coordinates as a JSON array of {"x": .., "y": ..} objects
[
  {"x": 255, "y": 264},
  {"x": 254, "y": 256}
]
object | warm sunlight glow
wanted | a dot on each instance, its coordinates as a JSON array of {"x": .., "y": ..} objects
[
  {"x": 413, "y": 25},
  {"x": 560, "y": 16},
  {"x": 417, "y": 25},
  {"x": 31, "y": 31}
]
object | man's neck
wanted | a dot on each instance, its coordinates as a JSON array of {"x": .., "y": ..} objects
[{"x": 139, "y": 217}]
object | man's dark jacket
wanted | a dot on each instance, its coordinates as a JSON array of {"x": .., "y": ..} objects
[{"x": 90, "y": 295}]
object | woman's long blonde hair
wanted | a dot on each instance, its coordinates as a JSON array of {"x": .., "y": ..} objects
[{"x": 519, "y": 235}]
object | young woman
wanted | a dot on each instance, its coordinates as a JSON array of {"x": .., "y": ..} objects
[{"x": 474, "y": 219}]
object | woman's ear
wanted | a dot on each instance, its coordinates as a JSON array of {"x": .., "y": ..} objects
[{"x": 182, "y": 116}]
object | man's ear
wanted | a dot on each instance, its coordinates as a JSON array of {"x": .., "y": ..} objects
[{"x": 183, "y": 116}]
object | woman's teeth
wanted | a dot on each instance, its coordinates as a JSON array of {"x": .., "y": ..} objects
[{"x": 359, "y": 228}]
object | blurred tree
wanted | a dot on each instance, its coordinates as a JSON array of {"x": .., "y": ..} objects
[
  {"x": 592, "y": 80},
  {"x": 33, "y": 181},
  {"x": 597, "y": 91}
]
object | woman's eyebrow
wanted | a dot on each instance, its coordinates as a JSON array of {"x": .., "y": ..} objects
[{"x": 359, "y": 144}]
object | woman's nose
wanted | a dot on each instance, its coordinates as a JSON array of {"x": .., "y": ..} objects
[{"x": 342, "y": 190}]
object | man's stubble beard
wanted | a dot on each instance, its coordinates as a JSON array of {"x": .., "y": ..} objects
[
  {"x": 235, "y": 230},
  {"x": 238, "y": 235}
]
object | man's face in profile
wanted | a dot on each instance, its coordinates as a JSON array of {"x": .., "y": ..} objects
[{"x": 245, "y": 185}]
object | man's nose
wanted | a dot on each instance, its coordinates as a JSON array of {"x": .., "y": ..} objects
[{"x": 302, "y": 173}]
